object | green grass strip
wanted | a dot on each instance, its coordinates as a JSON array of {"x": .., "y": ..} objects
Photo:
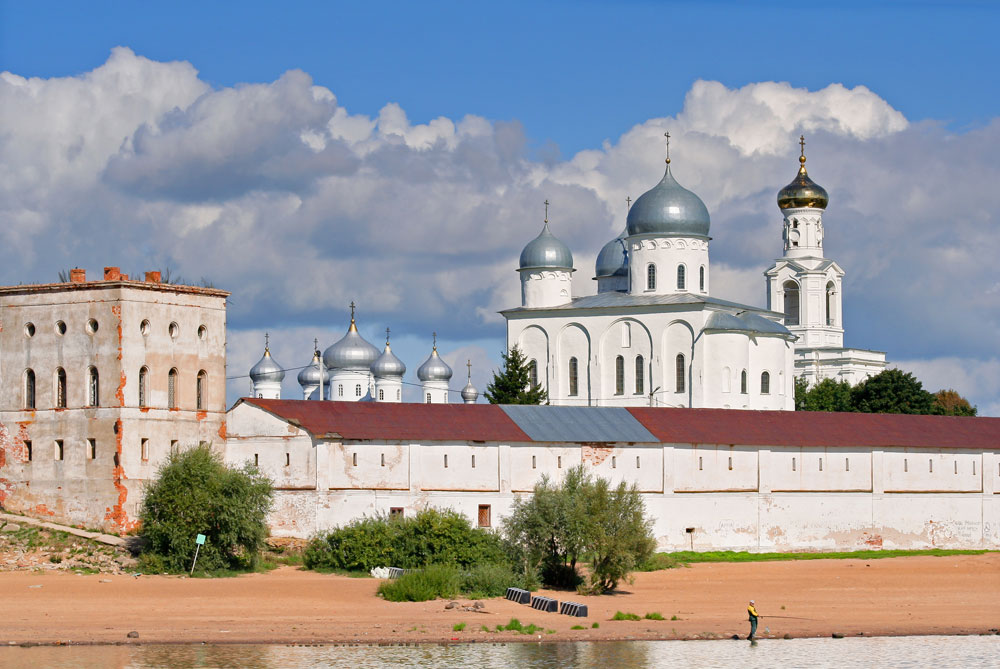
[{"x": 680, "y": 558}]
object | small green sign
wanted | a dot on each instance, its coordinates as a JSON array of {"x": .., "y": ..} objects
[{"x": 200, "y": 540}]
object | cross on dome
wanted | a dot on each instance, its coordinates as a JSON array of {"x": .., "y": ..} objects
[{"x": 667, "y": 136}]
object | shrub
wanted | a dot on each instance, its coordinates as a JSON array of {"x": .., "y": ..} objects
[
  {"x": 625, "y": 616},
  {"x": 422, "y": 585},
  {"x": 653, "y": 616},
  {"x": 490, "y": 580},
  {"x": 430, "y": 537},
  {"x": 458, "y": 627},
  {"x": 196, "y": 493}
]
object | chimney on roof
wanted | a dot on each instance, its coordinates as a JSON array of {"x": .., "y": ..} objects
[
  {"x": 124, "y": 277},
  {"x": 152, "y": 277},
  {"x": 112, "y": 274},
  {"x": 77, "y": 275}
]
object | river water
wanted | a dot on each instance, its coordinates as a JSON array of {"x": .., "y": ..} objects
[{"x": 960, "y": 652}]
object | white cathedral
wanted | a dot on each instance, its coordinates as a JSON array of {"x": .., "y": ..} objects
[{"x": 652, "y": 335}]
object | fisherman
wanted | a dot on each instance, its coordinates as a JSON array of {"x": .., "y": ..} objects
[{"x": 752, "y": 611}]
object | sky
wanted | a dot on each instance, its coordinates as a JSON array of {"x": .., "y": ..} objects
[{"x": 398, "y": 154}]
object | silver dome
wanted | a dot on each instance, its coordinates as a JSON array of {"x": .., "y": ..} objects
[
  {"x": 669, "y": 209},
  {"x": 434, "y": 368},
  {"x": 611, "y": 259},
  {"x": 545, "y": 251},
  {"x": 351, "y": 352},
  {"x": 470, "y": 393},
  {"x": 267, "y": 370},
  {"x": 388, "y": 364},
  {"x": 310, "y": 376}
]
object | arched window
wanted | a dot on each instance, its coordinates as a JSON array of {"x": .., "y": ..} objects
[
  {"x": 829, "y": 302},
  {"x": 29, "y": 389},
  {"x": 357, "y": 390},
  {"x": 61, "y": 388},
  {"x": 172, "y": 389},
  {"x": 743, "y": 382},
  {"x": 93, "y": 388},
  {"x": 650, "y": 276},
  {"x": 398, "y": 394},
  {"x": 619, "y": 375},
  {"x": 765, "y": 383},
  {"x": 428, "y": 402},
  {"x": 340, "y": 390},
  {"x": 680, "y": 372},
  {"x": 381, "y": 395},
  {"x": 574, "y": 379},
  {"x": 533, "y": 374},
  {"x": 681, "y": 277},
  {"x": 640, "y": 375},
  {"x": 791, "y": 302},
  {"x": 200, "y": 390},
  {"x": 701, "y": 278},
  {"x": 144, "y": 386}
]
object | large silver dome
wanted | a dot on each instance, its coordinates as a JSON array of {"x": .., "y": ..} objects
[
  {"x": 546, "y": 252},
  {"x": 388, "y": 364},
  {"x": 351, "y": 352},
  {"x": 267, "y": 370},
  {"x": 669, "y": 209},
  {"x": 611, "y": 259},
  {"x": 310, "y": 376},
  {"x": 434, "y": 368}
]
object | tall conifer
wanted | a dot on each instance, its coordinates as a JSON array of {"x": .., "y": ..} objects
[{"x": 511, "y": 384}]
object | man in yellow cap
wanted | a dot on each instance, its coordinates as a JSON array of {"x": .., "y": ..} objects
[{"x": 752, "y": 611}]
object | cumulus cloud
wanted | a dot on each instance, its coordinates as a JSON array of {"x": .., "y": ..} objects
[{"x": 276, "y": 191}]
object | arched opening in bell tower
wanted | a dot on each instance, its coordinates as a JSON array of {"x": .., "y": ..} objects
[{"x": 791, "y": 290}]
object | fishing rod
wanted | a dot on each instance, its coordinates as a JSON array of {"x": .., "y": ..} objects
[{"x": 790, "y": 617}]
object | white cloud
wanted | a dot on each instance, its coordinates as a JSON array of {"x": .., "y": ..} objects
[{"x": 277, "y": 192}]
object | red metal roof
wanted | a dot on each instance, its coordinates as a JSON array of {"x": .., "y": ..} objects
[
  {"x": 397, "y": 422},
  {"x": 816, "y": 428},
  {"x": 487, "y": 422}
]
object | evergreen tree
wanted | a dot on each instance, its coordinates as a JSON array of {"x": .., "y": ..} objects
[
  {"x": 892, "y": 391},
  {"x": 511, "y": 385}
]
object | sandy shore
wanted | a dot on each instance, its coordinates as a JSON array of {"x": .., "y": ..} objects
[{"x": 911, "y": 595}]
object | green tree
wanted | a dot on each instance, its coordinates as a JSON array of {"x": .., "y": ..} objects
[
  {"x": 620, "y": 536},
  {"x": 512, "y": 385},
  {"x": 801, "y": 392},
  {"x": 827, "y": 395},
  {"x": 196, "y": 493},
  {"x": 892, "y": 391},
  {"x": 950, "y": 403}
]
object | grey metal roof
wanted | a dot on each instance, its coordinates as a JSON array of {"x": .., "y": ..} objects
[
  {"x": 546, "y": 252},
  {"x": 577, "y": 424},
  {"x": 669, "y": 208},
  {"x": 611, "y": 259},
  {"x": 620, "y": 300}
]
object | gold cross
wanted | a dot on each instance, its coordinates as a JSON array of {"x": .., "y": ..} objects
[
  {"x": 387, "y": 336},
  {"x": 435, "y": 336},
  {"x": 267, "y": 341}
]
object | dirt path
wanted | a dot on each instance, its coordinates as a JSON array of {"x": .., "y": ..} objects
[{"x": 911, "y": 595}]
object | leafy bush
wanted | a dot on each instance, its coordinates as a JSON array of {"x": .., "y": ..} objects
[
  {"x": 196, "y": 493},
  {"x": 430, "y": 537},
  {"x": 422, "y": 585},
  {"x": 655, "y": 615},
  {"x": 625, "y": 616},
  {"x": 490, "y": 580}
]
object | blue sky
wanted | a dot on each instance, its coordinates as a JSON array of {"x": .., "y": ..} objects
[{"x": 397, "y": 154}]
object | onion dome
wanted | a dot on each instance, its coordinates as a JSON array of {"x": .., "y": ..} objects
[
  {"x": 388, "y": 364},
  {"x": 469, "y": 393},
  {"x": 611, "y": 259},
  {"x": 351, "y": 352},
  {"x": 434, "y": 368},
  {"x": 803, "y": 191},
  {"x": 310, "y": 376},
  {"x": 545, "y": 251},
  {"x": 668, "y": 209},
  {"x": 267, "y": 370}
]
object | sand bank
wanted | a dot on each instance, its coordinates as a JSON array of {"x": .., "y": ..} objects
[{"x": 897, "y": 596}]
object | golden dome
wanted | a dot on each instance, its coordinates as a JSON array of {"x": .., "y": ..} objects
[{"x": 803, "y": 191}]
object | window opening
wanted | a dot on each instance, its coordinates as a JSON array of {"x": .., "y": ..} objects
[
  {"x": 640, "y": 375},
  {"x": 637, "y": 462},
  {"x": 681, "y": 277},
  {"x": 91, "y": 449},
  {"x": 172, "y": 389},
  {"x": 428, "y": 398},
  {"x": 679, "y": 372},
  {"x": 847, "y": 464},
  {"x": 381, "y": 395},
  {"x": 650, "y": 276},
  {"x": 200, "y": 390},
  {"x": 59, "y": 449},
  {"x": 144, "y": 328},
  {"x": 29, "y": 330},
  {"x": 793, "y": 464},
  {"x": 699, "y": 463},
  {"x": 173, "y": 330},
  {"x": 27, "y": 450},
  {"x": 202, "y": 332},
  {"x": 61, "y": 388},
  {"x": 93, "y": 388},
  {"x": 175, "y": 446},
  {"x": 574, "y": 385},
  {"x": 730, "y": 463},
  {"x": 29, "y": 389},
  {"x": 357, "y": 390},
  {"x": 398, "y": 394},
  {"x": 791, "y": 290},
  {"x": 288, "y": 459},
  {"x": 559, "y": 461},
  {"x": 60, "y": 328},
  {"x": 340, "y": 390},
  {"x": 143, "y": 380},
  {"x": 533, "y": 374},
  {"x": 930, "y": 466},
  {"x": 445, "y": 460},
  {"x": 144, "y": 449},
  {"x": 614, "y": 462},
  {"x": 484, "y": 515},
  {"x": 92, "y": 326},
  {"x": 619, "y": 375},
  {"x": 473, "y": 461},
  {"x": 256, "y": 459},
  {"x": 906, "y": 465},
  {"x": 395, "y": 512},
  {"x": 821, "y": 464},
  {"x": 626, "y": 334},
  {"x": 534, "y": 462},
  {"x": 743, "y": 382},
  {"x": 765, "y": 383},
  {"x": 701, "y": 278},
  {"x": 354, "y": 459},
  {"x": 383, "y": 459}
]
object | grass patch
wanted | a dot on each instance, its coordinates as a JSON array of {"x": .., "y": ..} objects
[
  {"x": 625, "y": 616},
  {"x": 683, "y": 558},
  {"x": 595, "y": 626},
  {"x": 674, "y": 617},
  {"x": 653, "y": 616},
  {"x": 578, "y": 627},
  {"x": 458, "y": 627}
]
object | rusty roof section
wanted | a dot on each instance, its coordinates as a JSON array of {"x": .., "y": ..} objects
[
  {"x": 359, "y": 421},
  {"x": 29, "y": 288},
  {"x": 817, "y": 428}
]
